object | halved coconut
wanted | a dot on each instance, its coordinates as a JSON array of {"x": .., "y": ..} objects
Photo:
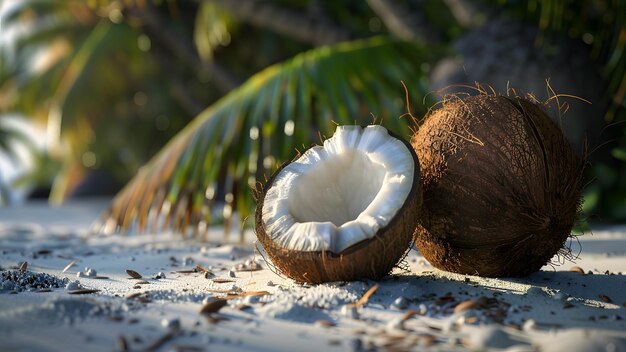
[{"x": 342, "y": 211}]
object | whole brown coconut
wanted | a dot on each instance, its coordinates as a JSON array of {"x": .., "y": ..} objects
[
  {"x": 501, "y": 186},
  {"x": 370, "y": 258}
]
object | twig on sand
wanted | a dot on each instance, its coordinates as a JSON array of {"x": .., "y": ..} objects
[
  {"x": 160, "y": 342},
  {"x": 71, "y": 264},
  {"x": 205, "y": 270},
  {"x": 365, "y": 297}
]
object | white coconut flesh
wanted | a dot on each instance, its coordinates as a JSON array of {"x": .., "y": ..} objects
[{"x": 339, "y": 194}]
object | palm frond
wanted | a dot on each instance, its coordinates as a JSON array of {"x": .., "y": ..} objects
[
  {"x": 215, "y": 161},
  {"x": 9, "y": 137}
]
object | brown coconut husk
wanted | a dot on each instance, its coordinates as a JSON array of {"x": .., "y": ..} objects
[
  {"x": 369, "y": 259},
  {"x": 501, "y": 186}
]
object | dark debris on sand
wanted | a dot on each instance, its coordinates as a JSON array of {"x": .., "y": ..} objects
[{"x": 16, "y": 281}]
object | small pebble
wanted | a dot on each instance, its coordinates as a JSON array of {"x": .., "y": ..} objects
[
  {"x": 160, "y": 275},
  {"x": 422, "y": 309},
  {"x": 231, "y": 273},
  {"x": 400, "y": 303},
  {"x": 528, "y": 325},
  {"x": 248, "y": 265},
  {"x": 233, "y": 288},
  {"x": 187, "y": 261},
  {"x": 88, "y": 272},
  {"x": 172, "y": 324},
  {"x": 73, "y": 286},
  {"x": 270, "y": 283}
]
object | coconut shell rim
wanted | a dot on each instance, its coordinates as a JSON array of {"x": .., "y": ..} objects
[{"x": 413, "y": 192}]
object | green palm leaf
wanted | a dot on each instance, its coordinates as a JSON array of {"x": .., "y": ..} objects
[
  {"x": 9, "y": 137},
  {"x": 217, "y": 159}
]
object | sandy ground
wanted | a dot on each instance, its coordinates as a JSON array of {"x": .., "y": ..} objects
[{"x": 236, "y": 307}]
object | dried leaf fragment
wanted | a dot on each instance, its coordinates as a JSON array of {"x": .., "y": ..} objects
[
  {"x": 133, "y": 274},
  {"x": 134, "y": 295},
  {"x": 605, "y": 298},
  {"x": 205, "y": 270},
  {"x": 249, "y": 293},
  {"x": 325, "y": 323},
  {"x": 83, "y": 291},
  {"x": 466, "y": 305},
  {"x": 213, "y": 306}
]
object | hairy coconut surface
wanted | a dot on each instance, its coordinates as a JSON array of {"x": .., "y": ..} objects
[
  {"x": 372, "y": 257},
  {"x": 501, "y": 186}
]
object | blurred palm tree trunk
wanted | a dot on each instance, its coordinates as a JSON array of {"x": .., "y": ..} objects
[
  {"x": 311, "y": 29},
  {"x": 403, "y": 23},
  {"x": 181, "y": 47}
]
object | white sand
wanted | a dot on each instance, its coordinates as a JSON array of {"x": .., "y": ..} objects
[{"x": 552, "y": 310}]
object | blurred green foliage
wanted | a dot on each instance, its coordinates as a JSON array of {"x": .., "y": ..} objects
[
  {"x": 601, "y": 24},
  {"x": 113, "y": 80}
]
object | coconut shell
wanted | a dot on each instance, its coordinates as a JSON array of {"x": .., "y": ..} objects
[
  {"x": 369, "y": 259},
  {"x": 501, "y": 186}
]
